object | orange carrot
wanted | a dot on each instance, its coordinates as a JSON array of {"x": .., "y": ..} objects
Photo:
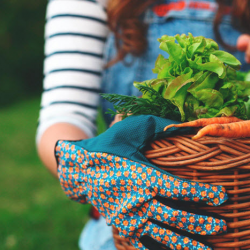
[
  {"x": 234, "y": 129},
  {"x": 204, "y": 122}
]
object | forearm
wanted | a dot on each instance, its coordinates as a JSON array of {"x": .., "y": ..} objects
[{"x": 49, "y": 138}]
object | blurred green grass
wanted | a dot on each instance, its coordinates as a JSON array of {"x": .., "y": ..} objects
[{"x": 34, "y": 212}]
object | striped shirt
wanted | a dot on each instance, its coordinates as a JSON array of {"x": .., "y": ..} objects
[{"x": 75, "y": 34}]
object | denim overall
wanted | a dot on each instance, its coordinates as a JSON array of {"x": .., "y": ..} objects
[{"x": 169, "y": 17}]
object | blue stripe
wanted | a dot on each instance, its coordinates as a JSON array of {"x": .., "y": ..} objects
[
  {"x": 74, "y": 87},
  {"x": 97, "y": 73},
  {"x": 76, "y": 52},
  {"x": 100, "y": 38},
  {"x": 78, "y": 16},
  {"x": 73, "y": 103},
  {"x": 86, "y": 116}
]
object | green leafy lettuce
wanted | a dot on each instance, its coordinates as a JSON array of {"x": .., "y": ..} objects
[
  {"x": 197, "y": 78},
  {"x": 201, "y": 80}
]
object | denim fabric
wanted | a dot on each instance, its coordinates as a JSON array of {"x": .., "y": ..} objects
[
  {"x": 97, "y": 236},
  {"x": 183, "y": 19}
]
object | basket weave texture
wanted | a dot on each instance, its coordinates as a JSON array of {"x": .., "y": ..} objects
[{"x": 215, "y": 160}]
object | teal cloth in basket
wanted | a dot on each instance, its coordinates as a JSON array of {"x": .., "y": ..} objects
[{"x": 111, "y": 172}]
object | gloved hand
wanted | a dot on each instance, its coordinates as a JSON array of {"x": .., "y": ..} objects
[{"x": 111, "y": 172}]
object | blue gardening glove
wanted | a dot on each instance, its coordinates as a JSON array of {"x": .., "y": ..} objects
[{"x": 111, "y": 172}]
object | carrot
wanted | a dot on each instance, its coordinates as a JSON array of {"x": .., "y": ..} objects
[
  {"x": 234, "y": 129},
  {"x": 204, "y": 122}
]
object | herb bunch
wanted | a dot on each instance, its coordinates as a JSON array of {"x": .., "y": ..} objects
[{"x": 155, "y": 104}]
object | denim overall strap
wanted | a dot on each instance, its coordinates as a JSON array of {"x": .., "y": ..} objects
[{"x": 169, "y": 17}]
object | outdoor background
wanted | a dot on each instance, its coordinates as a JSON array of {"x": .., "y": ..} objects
[{"x": 34, "y": 212}]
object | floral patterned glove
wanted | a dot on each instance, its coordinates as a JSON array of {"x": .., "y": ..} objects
[{"x": 111, "y": 172}]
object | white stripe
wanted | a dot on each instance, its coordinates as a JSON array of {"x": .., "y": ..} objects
[
  {"x": 69, "y": 77},
  {"x": 72, "y": 95},
  {"x": 76, "y": 117},
  {"x": 58, "y": 110},
  {"x": 73, "y": 43},
  {"x": 76, "y": 8},
  {"x": 75, "y": 25},
  {"x": 75, "y": 61}
]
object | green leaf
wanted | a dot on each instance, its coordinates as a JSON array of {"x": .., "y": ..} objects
[
  {"x": 198, "y": 47},
  {"x": 159, "y": 63},
  {"x": 247, "y": 105},
  {"x": 175, "y": 51},
  {"x": 229, "y": 93},
  {"x": 211, "y": 44},
  {"x": 227, "y": 58},
  {"x": 166, "y": 38},
  {"x": 190, "y": 105},
  {"x": 214, "y": 65},
  {"x": 158, "y": 85},
  {"x": 240, "y": 112},
  {"x": 163, "y": 42},
  {"x": 177, "y": 83},
  {"x": 182, "y": 40},
  {"x": 206, "y": 112},
  {"x": 243, "y": 76},
  {"x": 231, "y": 73},
  {"x": 243, "y": 88},
  {"x": 210, "y": 97},
  {"x": 177, "y": 90},
  {"x": 165, "y": 71},
  {"x": 227, "y": 111},
  {"x": 207, "y": 80},
  {"x": 190, "y": 38},
  {"x": 247, "y": 77}
]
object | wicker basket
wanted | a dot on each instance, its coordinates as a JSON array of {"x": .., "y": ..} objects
[{"x": 219, "y": 161}]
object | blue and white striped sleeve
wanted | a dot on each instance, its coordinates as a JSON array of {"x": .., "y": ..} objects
[{"x": 75, "y": 34}]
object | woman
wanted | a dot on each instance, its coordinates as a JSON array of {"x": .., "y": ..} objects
[{"x": 79, "y": 34}]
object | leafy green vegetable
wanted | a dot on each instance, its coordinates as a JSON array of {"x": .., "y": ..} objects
[
  {"x": 197, "y": 79},
  {"x": 154, "y": 104},
  {"x": 159, "y": 85}
]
